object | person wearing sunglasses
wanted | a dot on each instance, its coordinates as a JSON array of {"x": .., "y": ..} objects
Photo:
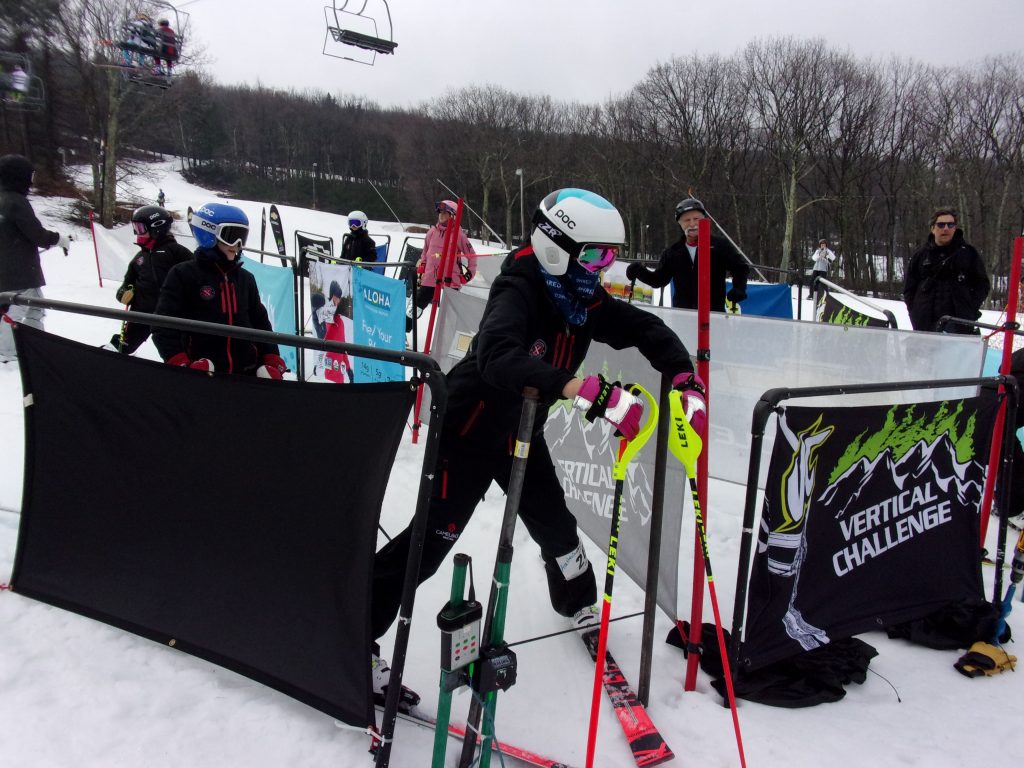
[
  {"x": 543, "y": 311},
  {"x": 214, "y": 287},
  {"x": 678, "y": 264},
  {"x": 357, "y": 245},
  {"x": 946, "y": 276},
  {"x": 140, "y": 289},
  {"x": 461, "y": 269}
]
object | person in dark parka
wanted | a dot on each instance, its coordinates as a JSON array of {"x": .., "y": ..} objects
[
  {"x": 358, "y": 245},
  {"x": 21, "y": 237},
  {"x": 140, "y": 289},
  {"x": 946, "y": 276},
  {"x": 678, "y": 264},
  {"x": 215, "y": 288},
  {"x": 542, "y": 313}
]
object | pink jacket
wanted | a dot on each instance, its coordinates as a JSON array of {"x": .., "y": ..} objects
[{"x": 430, "y": 260}]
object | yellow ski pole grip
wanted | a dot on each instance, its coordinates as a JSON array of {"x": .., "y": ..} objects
[
  {"x": 683, "y": 440},
  {"x": 628, "y": 449}
]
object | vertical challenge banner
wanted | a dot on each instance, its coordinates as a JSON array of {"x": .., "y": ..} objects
[
  {"x": 870, "y": 518},
  {"x": 831, "y": 310}
]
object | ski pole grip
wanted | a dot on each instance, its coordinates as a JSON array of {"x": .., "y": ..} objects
[
  {"x": 629, "y": 449},
  {"x": 683, "y": 440}
]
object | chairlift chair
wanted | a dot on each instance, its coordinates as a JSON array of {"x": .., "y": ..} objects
[
  {"x": 341, "y": 23},
  {"x": 33, "y": 98},
  {"x": 150, "y": 53}
]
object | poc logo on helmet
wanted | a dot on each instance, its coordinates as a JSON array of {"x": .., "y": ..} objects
[{"x": 564, "y": 217}]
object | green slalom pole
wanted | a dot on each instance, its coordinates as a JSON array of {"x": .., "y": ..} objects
[
  {"x": 450, "y": 679},
  {"x": 481, "y": 717}
]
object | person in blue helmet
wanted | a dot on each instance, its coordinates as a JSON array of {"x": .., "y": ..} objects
[
  {"x": 215, "y": 288},
  {"x": 543, "y": 311}
]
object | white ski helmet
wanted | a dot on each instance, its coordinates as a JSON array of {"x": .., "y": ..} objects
[
  {"x": 569, "y": 220},
  {"x": 357, "y": 220}
]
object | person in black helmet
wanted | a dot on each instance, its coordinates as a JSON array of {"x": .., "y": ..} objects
[
  {"x": 21, "y": 237},
  {"x": 678, "y": 264},
  {"x": 140, "y": 289}
]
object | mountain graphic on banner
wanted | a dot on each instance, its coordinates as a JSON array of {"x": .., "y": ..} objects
[
  {"x": 935, "y": 461},
  {"x": 594, "y": 442}
]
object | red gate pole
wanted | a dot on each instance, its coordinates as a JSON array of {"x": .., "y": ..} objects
[
  {"x": 704, "y": 369},
  {"x": 1013, "y": 294}
]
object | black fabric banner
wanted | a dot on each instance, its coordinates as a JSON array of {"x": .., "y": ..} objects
[
  {"x": 315, "y": 244},
  {"x": 190, "y": 509},
  {"x": 870, "y": 518},
  {"x": 832, "y": 310}
]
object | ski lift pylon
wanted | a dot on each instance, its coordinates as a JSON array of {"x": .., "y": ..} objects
[{"x": 341, "y": 23}]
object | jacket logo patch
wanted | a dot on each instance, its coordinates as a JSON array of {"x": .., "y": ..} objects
[
  {"x": 538, "y": 348},
  {"x": 207, "y": 292},
  {"x": 451, "y": 533},
  {"x": 139, "y": 260}
]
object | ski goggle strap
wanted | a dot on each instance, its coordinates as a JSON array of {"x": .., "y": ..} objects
[
  {"x": 594, "y": 258},
  {"x": 232, "y": 234}
]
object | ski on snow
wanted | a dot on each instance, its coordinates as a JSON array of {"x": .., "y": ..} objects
[
  {"x": 645, "y": 741},
  {"x": 458, "y": 732}
]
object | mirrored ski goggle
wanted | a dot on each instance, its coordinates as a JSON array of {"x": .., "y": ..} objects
[
  {"x": 355, "y": 223},
  {"x": 444, "y": 208},
  {"x": 232, "y": 234},
  {"x": 594, "y": 258},
  {"x": 139, "y": 227}
]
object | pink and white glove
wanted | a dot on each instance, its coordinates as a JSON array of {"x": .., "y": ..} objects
[
  {"x": 609, "y": 401},
  {"x": 695, "y": 404}
]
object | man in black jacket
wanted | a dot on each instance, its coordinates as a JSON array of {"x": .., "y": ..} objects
[
  {"x": 542, "y": 312},
  {"x": 213, "y": 287},
  {"x": 140, "y": 289},
  {"x": 678, "y": 264},
  {"x": 21, "y": 237},
  {"x": 945, "y": 277}
]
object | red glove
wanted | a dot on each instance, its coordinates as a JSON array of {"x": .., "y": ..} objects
[
  {"x": 695, "y": 405},
  {"x": 181, "y": 359},
  {"x": 609, "y": 401},
  {"x": 273, "y": 367}
]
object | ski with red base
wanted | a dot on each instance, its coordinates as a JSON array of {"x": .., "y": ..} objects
[
  {"x": 457, "y": 731},
  {"x": 645, "y": 741}
]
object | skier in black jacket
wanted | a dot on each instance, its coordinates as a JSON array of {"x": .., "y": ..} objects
[
  {"x": 945, "y": 277},
  {"x": 678, "y": 264},
  {"x": 358, "y": 245},
  {"x": 140, "y": 289},
  {"x": 543, "y": 311},
  {"x": 21, "y": 237},
  {"x": 213, "y": 287}
]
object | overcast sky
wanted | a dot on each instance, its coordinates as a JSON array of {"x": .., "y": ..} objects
[{"x": 585, "y": 50}]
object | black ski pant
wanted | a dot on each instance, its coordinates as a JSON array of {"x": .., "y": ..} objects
[{"x": 464, "y": 474}]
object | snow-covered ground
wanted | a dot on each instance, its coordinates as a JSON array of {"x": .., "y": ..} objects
[{"x": 75, "y": 692}]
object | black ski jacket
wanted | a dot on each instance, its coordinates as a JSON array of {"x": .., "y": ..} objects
[
  {"x": 677, "y": 267},
  {"x": 212, "y": 289},
  {"x": 524, "y": 340},
  {"x": 951, "y": 280},
  {"x": 359, "y": 246},
  {"x": 148, "y": 270},
  {"x": 21, "y": 237}
]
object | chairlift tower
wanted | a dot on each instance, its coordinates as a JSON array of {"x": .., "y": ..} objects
[{"x": 349, "y": 29}]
